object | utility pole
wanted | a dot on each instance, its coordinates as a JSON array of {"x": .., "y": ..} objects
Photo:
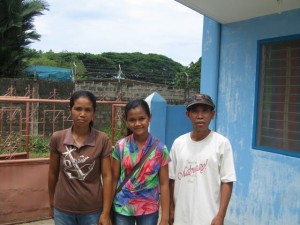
[
  {"x": 187, "y": 79},
  {"x": 119, "y": 73},
  {"x": 74, "y": 71},
  {"x": 187, "y": 85}
]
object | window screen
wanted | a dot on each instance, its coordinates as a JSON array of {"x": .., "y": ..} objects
[{"x": 278, "y": 119}]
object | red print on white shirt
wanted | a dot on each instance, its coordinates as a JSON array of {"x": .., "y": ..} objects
[{"x": 190, "y": 170}]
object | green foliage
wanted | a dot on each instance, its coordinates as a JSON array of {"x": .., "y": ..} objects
[
  {"x": 190, "y": 76},
  {"x": 16, "y": 32},
  {"x": 63, "y": 60},
  {"x": 38, "y": 146},
  {"x": 109, "y": 65},
  {"x": 136, "y": 66},
  {"x": 146, "y": 67}
]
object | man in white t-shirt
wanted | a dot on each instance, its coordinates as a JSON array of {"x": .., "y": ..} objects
[{"x": 202, "y": 169}]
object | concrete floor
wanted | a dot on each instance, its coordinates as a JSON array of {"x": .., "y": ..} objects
[
  {"x": 51, "y": 222},
  {"x": 40, "y": 222}
]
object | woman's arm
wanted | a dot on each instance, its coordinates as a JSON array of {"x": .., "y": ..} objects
[
  {"x": 107, "y": 190},
  {"x": 116, "y": 167},
  {"x": 52, "y": 178},
  {"x": 165, "y": 194}
]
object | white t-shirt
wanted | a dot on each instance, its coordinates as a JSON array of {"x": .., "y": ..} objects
[{"x": 198, "y": 168}]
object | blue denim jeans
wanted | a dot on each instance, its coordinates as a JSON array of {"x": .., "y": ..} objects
[
  {"x": 64, "y": 218},
  {"x": 150, "y": 219}
]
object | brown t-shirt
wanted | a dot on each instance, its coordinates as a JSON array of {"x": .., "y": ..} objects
[{"x": 79, "y": 187}]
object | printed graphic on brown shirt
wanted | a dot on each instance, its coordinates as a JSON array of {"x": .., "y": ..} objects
[{"x": 76, "y": 168}]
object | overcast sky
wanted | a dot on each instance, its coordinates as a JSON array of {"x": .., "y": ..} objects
[{"x": 96, "y": 26}]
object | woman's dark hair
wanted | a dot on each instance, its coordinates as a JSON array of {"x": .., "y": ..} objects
[
  {"x": 134, "y": 104},
  {"x": 84, "y": 94}
]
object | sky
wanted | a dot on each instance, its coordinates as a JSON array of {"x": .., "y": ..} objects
[{"x": 163, "y": 27}]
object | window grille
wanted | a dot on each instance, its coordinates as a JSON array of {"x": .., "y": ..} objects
[{"x": 278, "y": 103}]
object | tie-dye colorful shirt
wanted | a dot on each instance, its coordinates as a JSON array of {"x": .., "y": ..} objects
[{"x": 140, "y": 195}]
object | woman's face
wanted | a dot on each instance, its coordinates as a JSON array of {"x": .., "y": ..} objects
[
  {"x": 82, "y": 112},
  {"x": 138, "y": 122}
]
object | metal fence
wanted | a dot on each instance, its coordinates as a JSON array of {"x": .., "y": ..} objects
[{"x": 26, "y": 124}]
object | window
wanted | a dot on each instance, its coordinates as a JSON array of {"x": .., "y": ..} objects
[{"x": 278, "y": 103}]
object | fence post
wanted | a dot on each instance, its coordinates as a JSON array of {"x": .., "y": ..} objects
[
  {"x": 158, "y": 108},
  {"x": 34, "y": 131}
]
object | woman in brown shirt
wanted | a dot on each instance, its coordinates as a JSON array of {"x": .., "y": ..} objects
[{"x": 79, "y": 158}]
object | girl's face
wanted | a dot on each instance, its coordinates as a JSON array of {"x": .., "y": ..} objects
[
  {"x": 82, "y": 112},
  {"x": 138, "y": 122}
]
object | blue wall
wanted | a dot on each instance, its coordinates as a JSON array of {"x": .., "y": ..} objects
[
  {"x": 177, "y": 123},
  {"x": 211, "y": 56},
  {"x": 158, "y": 105},
  {"x": 268, "y": 186},
  {"x": 168, "y": 121}
]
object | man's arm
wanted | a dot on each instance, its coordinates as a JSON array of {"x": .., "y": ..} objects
[
  {"x": 172, "y": 204},
  {"x": 226, "y": 190}
]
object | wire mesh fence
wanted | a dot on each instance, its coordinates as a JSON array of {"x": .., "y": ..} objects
[{"x": 26, "y": 124}]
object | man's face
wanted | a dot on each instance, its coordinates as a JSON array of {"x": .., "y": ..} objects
[{"x": 200, "y": 116}]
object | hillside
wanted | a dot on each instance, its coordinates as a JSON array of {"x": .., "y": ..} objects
[{"x": 137, "y": 66}]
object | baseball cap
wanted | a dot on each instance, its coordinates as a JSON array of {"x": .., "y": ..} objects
[{"x": 199, "y": 99}]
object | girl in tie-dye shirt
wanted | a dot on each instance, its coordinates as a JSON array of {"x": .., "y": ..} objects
[{"x": 138, "y": 201}]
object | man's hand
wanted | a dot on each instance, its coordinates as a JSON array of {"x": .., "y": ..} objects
[
  {"x": 171, "y": 217},
  {"x": 218, "y": 220},
  {"x": 163, "y": 222},
  {"x": 172, "y": 203}
]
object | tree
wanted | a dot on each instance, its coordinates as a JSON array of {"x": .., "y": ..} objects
[
  {"x": 136, "y": 66},
  {"x": 16, "y": 32},
  {"x": 152, "y": 68},
  {"x": 189, "y": 77}
]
